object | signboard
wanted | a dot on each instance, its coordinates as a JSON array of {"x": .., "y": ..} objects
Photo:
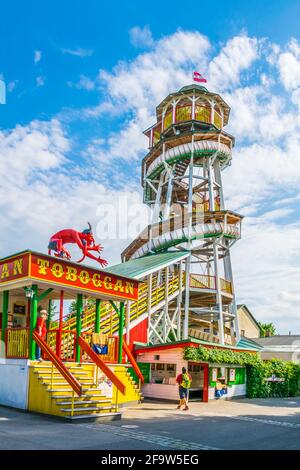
[
  {"x": 19, "y": 309},
  {"x": 63, "y": 273},
  {"x": 214, "y": 374},
  {"x": 14, "y": 268},
  {"x": 231, "y": 375},
  {"x": 273, "y": 378}
]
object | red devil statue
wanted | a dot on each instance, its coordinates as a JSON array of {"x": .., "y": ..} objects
[{"x": 84, "y": 240}]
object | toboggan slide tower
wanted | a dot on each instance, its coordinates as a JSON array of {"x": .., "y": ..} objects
[{"x": 191, "y": 231}]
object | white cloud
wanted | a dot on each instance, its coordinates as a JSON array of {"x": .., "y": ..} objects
[
  {"x": 78, "y": 52},
  {"x": 40, "y": 81},
  {"x": 12, "y": 85},
  {"x": 37, "y": 56},
  {"x": 84, "y": 83},
  {"x": 141, "y": 37},
  {"x": 267, "y": 271},
  {"x": 287, "y": 60},
  {"x": 237, "y": 55},
  {"x": 152, "y": 75},
  {"x": 42, "y": 191},
  {"x": 139, "y": 85}
]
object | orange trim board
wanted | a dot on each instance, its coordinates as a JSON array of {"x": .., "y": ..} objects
[{"x": 63, "y": 273}]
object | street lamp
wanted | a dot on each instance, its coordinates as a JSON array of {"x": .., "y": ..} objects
[{"x": 29, "y": 292}]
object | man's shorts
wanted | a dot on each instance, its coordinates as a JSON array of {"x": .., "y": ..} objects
[{"x": 183, "y": 393}]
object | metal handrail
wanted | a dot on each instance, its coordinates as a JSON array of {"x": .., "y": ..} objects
[
  {"x": 133, "y": 362},
  {"x": 105, "y": 369}
]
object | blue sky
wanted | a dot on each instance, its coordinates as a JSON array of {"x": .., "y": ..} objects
[
  {"x": 83, "y": 80},
  {"x": 102, "y": 28}
]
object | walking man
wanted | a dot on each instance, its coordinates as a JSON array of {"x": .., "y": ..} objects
[{"x": 184, "y": 381}]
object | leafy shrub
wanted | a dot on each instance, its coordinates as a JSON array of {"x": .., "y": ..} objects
[{"x": 257, "y": 370}]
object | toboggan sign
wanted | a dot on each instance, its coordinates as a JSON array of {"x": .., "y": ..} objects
[{"x": 36, "y": 266}]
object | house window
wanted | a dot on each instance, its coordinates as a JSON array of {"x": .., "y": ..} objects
[{"x": 242, "y": 332}]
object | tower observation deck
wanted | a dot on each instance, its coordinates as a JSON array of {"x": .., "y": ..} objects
[{"x": 182, "y": 184}]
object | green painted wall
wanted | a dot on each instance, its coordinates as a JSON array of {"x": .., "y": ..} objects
[
  {"x": 145, "y": 368},
  {"x": 240, "y": 376}
]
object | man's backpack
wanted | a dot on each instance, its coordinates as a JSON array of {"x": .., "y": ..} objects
[{"x": 185, "y": 381}]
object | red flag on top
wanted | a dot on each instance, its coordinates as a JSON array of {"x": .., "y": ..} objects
[{"x": 197, "y": 77}]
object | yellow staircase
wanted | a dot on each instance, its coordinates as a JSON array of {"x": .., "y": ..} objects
[{"x": 50, "y": 393}]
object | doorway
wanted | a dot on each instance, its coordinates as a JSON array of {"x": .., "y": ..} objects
[{"x": 199, "y": 385}]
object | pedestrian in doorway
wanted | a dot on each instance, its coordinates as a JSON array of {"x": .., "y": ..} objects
[
  {"x": 41, "y": 329},
  {"x": 184, "y": 381}
]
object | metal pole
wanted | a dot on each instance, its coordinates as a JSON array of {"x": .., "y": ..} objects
[
  {"x": 157, "y": 204},
  {"x": 127, "y": 322},
  {"x": 149, "y": 298},
  {"x": 166, "y": 305},
  {"x": 60, "y": 328},
  {"x": 33, "y": 319},
  {"x": 5, "y": 303},
  {"x": 49, "y": 314},
  {"x": 121, "y": 329},
  {"x": 79, "y": 307},
  {"x": 219, "y": 181},
  {"x": 179, "y": 301},
  {"x": 219, "y": 293},
  {"x": 229, "y": 277},
  {"x": 168, "y": 197},
  {"x": 187, "y": 298},
  {"x": 211, "y": 186},
  {"x": 98, "y": 316}
]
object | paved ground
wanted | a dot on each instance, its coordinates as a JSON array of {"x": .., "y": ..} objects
[{"x": 245, "y": 424}]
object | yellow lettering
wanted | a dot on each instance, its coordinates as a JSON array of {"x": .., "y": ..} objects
[
  {"x": 84, "y": 277},
  {"x": 43, "y": 266},
  {"x": 18, "y": 266},
  {"x": 129, "y": 287},
  {"x": 107, "y": 283},
  {"x": 119, "y": 286},
  {"x": 5, "y": 271},
  {"x": 57, "y": 270},
  {"x": 97, "y": 280},
  {"x": 71, "y": 274}
]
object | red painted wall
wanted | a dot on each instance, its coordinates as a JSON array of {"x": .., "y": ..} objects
[{"x": 138, "y": 333}]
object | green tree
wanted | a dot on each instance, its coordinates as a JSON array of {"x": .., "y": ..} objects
[
  {"x": 89, "y": 304},
  {"x": 267, "y": 329}
]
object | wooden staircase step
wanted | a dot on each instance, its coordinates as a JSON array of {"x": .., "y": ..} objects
[
  {"x": 55, "y": 383},
  {"x": 53, "y": 390},
  {"x": 59, "y": 376},
  {"x": 77, "y": 401},
  {"x": 94, "y": 395},
  {"x": 88, "y": 408}
]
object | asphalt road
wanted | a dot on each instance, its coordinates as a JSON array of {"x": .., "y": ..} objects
[{"x": 270, "y": 424}]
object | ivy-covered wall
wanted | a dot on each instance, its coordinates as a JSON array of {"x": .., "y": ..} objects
[
  {"x": 256, "y": 369},
  {"x": 258, "y": 387}
]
